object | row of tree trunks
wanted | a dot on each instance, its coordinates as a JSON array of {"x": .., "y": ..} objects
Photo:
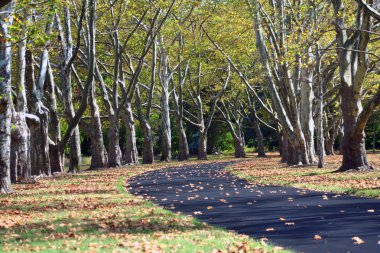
[{"x": 284, "y": 89}]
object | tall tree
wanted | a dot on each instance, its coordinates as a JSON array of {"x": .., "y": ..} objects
[
  {"x": 68, "y": 55},
  {"x": 353, "y": 67},
  {"x": 6, "y": 20}
]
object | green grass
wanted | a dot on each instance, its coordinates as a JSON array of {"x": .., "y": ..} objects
[{"x": 93, "y": 212}]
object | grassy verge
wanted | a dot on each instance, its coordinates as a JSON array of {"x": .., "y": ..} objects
[
  {"x": 270, "y": 170},
  {"x": 92, "y": 212}
]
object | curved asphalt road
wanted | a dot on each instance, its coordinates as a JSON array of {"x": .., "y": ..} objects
[{"x": 287, "y": 216}]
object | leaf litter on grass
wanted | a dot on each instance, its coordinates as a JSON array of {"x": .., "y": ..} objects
[{"x": 91, "y": 212}]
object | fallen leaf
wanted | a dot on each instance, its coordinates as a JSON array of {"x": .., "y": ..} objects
[
  {"x": 269, "y": 229},
  {"x": 357, "y": 240},
  {"x": 317, "y": 237},
  {"x": 210, "y": 207}
]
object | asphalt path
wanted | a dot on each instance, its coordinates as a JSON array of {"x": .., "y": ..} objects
[{"x": 301, "y": 220}]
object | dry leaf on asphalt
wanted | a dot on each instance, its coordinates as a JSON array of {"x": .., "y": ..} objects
[{"x": 357, "y": 240}]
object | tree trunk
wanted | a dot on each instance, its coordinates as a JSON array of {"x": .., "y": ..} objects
[
  {"x": 131, "y": 154},
  {"x": 5, "y": 99},
  {"x": 306, "y": 113},
  {"x": 66, "y": 87},
  {"x": 40, "y": 143},
  {"x": 148, "y": 155},
  {"x": 239, "y": 147},
  {"x": 75, "y": 155},
  {"x": 259, "y": 135},
  {"x": 285, "y": 147},
  {"x": 329, "y": 145},
  {"x": 165, "y": 126},
  {"x": 331, "y": 136},
  {"x": 320, "y": 135},
  {"x": 20, "y": 144},
  {"x": 353, "y": 68},
  {"x": 164, "y": 77},
  {"x": 202, "y": 146},
  {"x": 183, "y": 146},
  {"x": 98, "y": 151},
  {"x": 20, "y": 153},
  {"x": 354, "y": 153},
  {"x": 114, "y": 152},
  {"x": 56, "y": 157}
]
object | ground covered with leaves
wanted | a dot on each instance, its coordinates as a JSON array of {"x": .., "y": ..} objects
[
  {"x": 271, "y": 171},
  {"x": 92, "y": 212}
]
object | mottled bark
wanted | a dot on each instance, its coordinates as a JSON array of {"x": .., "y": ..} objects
[
  {"x": 40, "y": 142},
  {"x": 20, "y": 144},
  {"x": 56, "y": 157},
  {"x": 165, "y": 126},
  {"x": 354, "y": 61},
  {"x": 306, "y": 111},
  {"x": 5, "y": 99},
  {"x": 114, "y": 152},
  {"x": 20, "y": 148},
  {"x": 131, "y": 154},
  {"x": 99, "y": 158},
  {"x": 164, "y": 77}
]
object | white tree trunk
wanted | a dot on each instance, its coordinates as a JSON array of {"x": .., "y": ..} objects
[{"x": 5, "y": 99}]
